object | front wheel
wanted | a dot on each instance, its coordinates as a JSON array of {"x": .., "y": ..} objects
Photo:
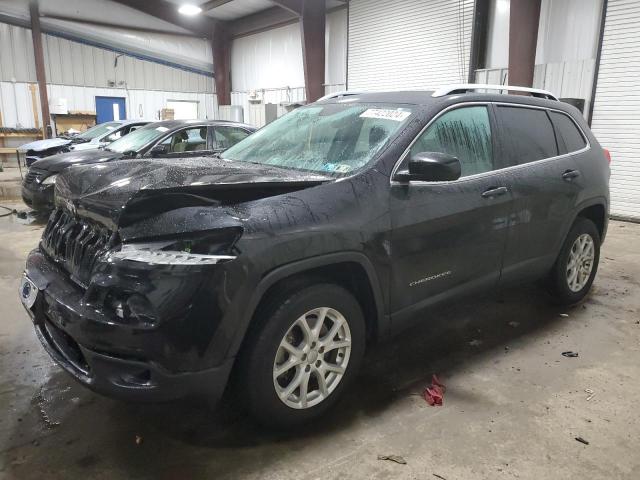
[
  {"x": 577, "y": 264},
  {"x": 306, "y": 349}
]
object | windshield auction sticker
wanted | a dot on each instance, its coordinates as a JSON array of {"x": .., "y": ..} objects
[{"x": 385, "y": 114}]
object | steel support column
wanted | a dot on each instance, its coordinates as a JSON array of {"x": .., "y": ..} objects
[
  {"x": 313, "y": 26},
  {"x": 41, "y": 77},
  {"x": 221, "y": 47},
  {"x": 523, "y": 37}
]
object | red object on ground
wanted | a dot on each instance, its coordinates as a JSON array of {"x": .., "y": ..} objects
[{"x": 434, "y": 394}]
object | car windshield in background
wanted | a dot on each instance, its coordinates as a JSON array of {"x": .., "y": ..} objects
[
  {"x": 333, "y": 139},
  {"x": 137, "y": 139},
  {"x": 98, "y": 130}
]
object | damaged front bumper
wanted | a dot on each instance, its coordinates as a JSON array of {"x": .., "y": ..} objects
[
  {"x": 109, "y": 355},
  {"x": 38, "y": 197}
]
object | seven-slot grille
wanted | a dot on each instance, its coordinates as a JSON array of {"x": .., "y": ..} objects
[
  {"x": 75, "y": 244},
  {"x": 34, "y": 174}
]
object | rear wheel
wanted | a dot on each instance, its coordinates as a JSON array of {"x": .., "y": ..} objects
[
  {"x": 307, "y": 348},
  {"x": 577, "y": 264}
]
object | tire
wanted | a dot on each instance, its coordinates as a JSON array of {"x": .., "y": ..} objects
[
  {"x": 284, "y": 318},
  {"x": 565, "y": 285}
]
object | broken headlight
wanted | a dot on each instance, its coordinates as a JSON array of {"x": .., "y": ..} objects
[
  {"x": 201, "y": 249},
  {"x": 50, "y": 180}
]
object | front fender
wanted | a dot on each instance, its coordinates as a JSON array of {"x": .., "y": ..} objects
[{"x": 301, "y": 266}]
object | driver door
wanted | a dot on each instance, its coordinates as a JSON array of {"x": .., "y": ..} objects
[{"x": 448, "y": 237}]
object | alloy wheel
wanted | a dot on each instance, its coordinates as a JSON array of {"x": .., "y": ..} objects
[
  {"x": 312, "y": 358},
  {"x": 580, "y": 262}
]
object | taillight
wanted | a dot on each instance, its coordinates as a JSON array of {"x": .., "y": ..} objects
[{"x": 607, "y": 155}]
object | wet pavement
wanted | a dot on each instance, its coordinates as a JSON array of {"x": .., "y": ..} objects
[{"x": 513, "y": 406}]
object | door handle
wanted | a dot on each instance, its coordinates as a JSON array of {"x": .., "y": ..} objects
[
  {"x": 494, "y": 192},
  {"x": 570, "y": 175}
]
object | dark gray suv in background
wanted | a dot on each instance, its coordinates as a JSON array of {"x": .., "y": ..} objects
[{"x": 339, "y": 224}]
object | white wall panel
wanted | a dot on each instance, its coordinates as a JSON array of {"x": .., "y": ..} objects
[
  {"x": 568, "y": 30},
  {"x": 270, "y": 64},
  {"x": 616, "y": 122},
  {"x": 16, "y": 105},
  {"x": 408, "y": 43},
  {"x": 336, "y": 49},
  {"x": 16, "y": 54},
  {"x": 498, "y": 34},
  {"x": 271, "y": 59}
]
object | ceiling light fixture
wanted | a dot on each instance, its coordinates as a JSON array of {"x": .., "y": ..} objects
[{"x": 189, "y": 9}]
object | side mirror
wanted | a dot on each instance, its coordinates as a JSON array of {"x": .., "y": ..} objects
[
  {"x": 431, "y": 167},
  {"x": 158, "y": 150}
]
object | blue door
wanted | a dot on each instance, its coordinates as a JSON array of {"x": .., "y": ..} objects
[{"x": 110, "y": 108}]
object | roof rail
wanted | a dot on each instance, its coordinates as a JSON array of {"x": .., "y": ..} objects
[
  {"x": 469, "y": 87},
  {"x": 343, "y": 93}
]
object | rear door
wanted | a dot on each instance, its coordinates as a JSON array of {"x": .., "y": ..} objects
[
  {"x": 544, "y": 180},
  {"x": 448, "y": 238}
]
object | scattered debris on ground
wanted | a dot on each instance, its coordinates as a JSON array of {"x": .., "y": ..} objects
[
  {"x": 582, "y": 440},
  {"x": 139, "y": 440},
  {"x": 393, "y": 458},
  {"x": 439, "y": 476},
  {"x": 570, "y": 354},
  {"x": 564, "y": 315},
  {"x": 434, "y": 394},
  {"x": 591, "y": 393},
  {"x": 41, "y": 404},
  {"x": 475, "y": 342}
]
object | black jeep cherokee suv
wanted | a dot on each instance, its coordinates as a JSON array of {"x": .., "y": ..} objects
[{"x": 331, "y": 227}]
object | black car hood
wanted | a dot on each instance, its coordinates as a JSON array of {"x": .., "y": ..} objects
[
  {"x": 121, "y": 193},
  {"x": 57, "y": 163}
]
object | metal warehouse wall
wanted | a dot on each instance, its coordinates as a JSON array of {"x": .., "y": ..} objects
[
  {"x": 73, "y": 63},
  {"x": 79, "y": 72},
  {"x": 616, "y": 121},
  {"x": 408, "y": 43},
  {"x": 270, "y": 63},
  {"x": 17, "y": 110}
]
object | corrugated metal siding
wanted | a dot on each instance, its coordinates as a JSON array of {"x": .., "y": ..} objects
[
  {"x": 17, "y": 111},
  {"x": 73, "y": 63},
  {"x": 616, "y": 121},
  {"x": 17, "y": 61},
  {"x": 408, "y": 43}
]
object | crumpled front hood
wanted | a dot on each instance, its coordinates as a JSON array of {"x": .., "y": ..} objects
[
  {"x": 57, "y": 163},
  {"x": 41, "y": 145},
  {"x": 120, "y": 193}
]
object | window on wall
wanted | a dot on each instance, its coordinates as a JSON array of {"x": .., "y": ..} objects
[
  {"x": 570, "y": 138},
  {"x": 530, "y": 132},
  {"x": 464, "y": 133},
  {"x": 183, "y": 110}
]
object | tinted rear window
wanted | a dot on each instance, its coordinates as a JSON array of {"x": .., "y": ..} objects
[
  {"x": 570, "y": 138},
  {"x": 530, "y": 133}
]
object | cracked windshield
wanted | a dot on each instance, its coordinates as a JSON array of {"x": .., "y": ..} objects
[{"x": 330, "y": 139}]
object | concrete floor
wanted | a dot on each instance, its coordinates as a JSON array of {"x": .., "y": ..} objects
[{"x": 513, "y": 405}]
